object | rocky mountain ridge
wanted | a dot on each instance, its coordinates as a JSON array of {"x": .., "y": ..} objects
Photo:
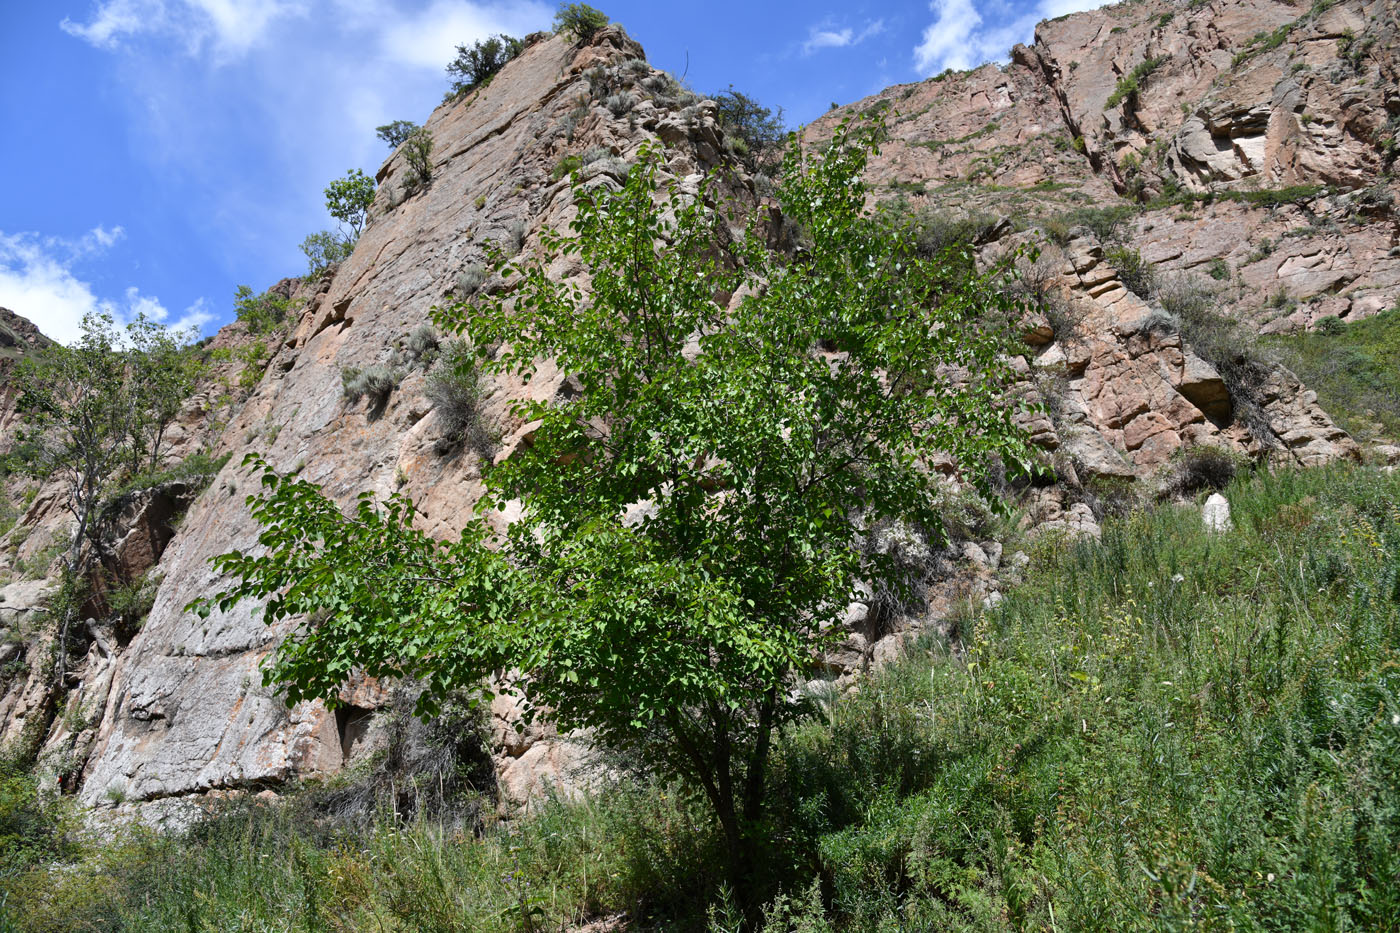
[
  {"x": 1255, "y": 133},
  {"x": 1207, "y": 151}
]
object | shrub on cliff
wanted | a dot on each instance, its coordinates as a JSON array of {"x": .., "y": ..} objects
[
  {"x": 1130, "y": 84},
  {"x": 322, "y": 250},
  {"x": 579, "y": 20},
  {"x": 692, "y": 513},
  {"x": 760, "y": 128},
  {"x": 418, "y": 153},
  {"x": 396, "y": 132},
  {"x": 477, "y": 64},
  {"x": 454, "y": 388},
  {"x": 348, "y": 200},
  {"x": 1137, "y": 274},
  {"x": 260, "y": 313},
  {"x": 373, "y": 382}
]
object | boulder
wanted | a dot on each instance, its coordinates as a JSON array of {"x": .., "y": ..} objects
[{"x": 1215, "y": 514}]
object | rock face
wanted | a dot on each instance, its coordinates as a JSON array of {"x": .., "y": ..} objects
[
  {"x": 181, "y": 711},
  {"x": 1257, "y": 134},
  {"x": 18, "y": 337},
  {"x": 187, "y": 712},
  {"x": 1239, "y": 150}
]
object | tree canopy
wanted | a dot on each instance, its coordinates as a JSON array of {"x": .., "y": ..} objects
[
  {"x": 95, "y": 413},
  {"x": 579, "y": 20},
  {"x": 396, "y": 132},
  {"x": 691, "y": 524},
  {"x": 348, "y": 200},
  {"x": 760, "y": 128},
  {"x": 478, "y": 63}
]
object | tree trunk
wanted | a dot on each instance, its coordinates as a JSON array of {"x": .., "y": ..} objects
[{"x": 71, "y": 566}]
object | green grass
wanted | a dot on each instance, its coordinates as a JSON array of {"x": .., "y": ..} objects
[
  {"x": 1262, "y": 42},
  {"x": 198, "y": 470},
  {"x": 1352, "y": 370},
  {"x": 1163, "y": 730},
  {"x": 1129, "y": 85},
  {"x": 1120, "y": 749}
]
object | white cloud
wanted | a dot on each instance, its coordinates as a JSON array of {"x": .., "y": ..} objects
[
  {"x": 231, "y": 26},
  {"x": 827, "y": 37},
  {"x": 948, "y": 40},
  {"x": 965, "y": 34},
  {"x": 873, "y": 28},
  {"x": 112, "y": 21},
  {"x": 429, "y": 38},
  {"x": 37, "y": 280},
  {"x": 425, "y": 38},
  {"x": 195, "y": 316},
  {"x": 104, "y": 238},
  {"x": 300, "y": 86}
]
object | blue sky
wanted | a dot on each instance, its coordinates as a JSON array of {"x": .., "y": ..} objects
[{"x": 159, "y": 153}]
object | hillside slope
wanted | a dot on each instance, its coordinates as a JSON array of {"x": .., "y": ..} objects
[{"x": 1128, "y": 378}]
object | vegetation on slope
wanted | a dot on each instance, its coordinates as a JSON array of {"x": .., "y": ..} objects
[
  {"x": 674, "y": 638},
  {"x": 1351, "y": 367},
  {"x": 1162, "y": 730}
]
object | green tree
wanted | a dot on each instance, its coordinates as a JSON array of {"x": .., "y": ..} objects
[
  {"x": 323, "y": 250},
  {"x": 395, "y": 133},
  {"x": 418, "y": 152},
  {"x": 477, "y": 64},
  {"x": 265, "y": 312},
  {"x": 692, "y": 519},
  {"x": 75, "y": 400},
  {"x": 579, "y": 20},
  {"x": 760, "y": 128},
  {"x": 348, "y": 200},
  {"x": 164, "y": 370}
]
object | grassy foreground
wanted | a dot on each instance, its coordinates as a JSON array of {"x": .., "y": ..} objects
[{"x": 1166, "y": 730}]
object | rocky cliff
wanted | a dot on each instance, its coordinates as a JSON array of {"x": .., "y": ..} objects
[
  {"x": 1238, "y": 149},
  {"x": 1260, "y": 135},
  {"x": 181, "y": 710}
]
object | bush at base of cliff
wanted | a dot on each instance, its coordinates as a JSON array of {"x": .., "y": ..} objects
[
  {"x": 34, "y": 832},
  {"x": 1196, "y": 469}
]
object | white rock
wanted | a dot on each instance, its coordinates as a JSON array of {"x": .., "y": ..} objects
[
  {"x": 1216, "y": 513},
  {"x": 975, "y": 555}
]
